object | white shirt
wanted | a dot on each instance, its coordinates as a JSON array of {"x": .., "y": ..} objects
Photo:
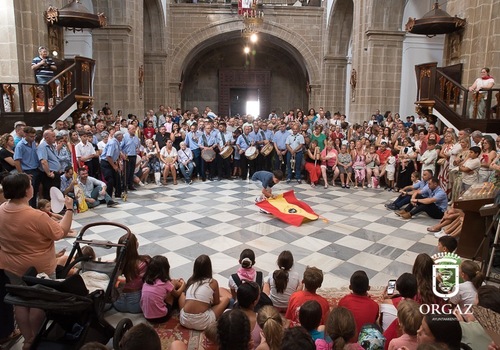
[{"x": 82, "y": 150}]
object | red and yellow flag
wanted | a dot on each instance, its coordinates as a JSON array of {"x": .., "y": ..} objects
[{"x": 289, "y": 209}]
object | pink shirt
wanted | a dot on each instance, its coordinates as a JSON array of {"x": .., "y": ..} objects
[
  {"x": 153, "y": 298},
  {"x": 408, "y": 341}
]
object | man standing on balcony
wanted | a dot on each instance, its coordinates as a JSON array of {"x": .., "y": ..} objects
[{"x": 44, "y": 68}]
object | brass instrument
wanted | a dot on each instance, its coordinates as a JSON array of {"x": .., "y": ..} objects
[
  {"x": 280, "y": 156},
  {"x": 292, "y": 163}
]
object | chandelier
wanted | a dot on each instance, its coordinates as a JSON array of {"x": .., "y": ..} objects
[{"x": 252, "y": 17}]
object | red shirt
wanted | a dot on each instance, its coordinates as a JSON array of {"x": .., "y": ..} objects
[
  {"x": 149, "y": 133},
  {"x": 299, "y": 298},
  {"x": 383, "y": 155},
  {"x": 364, "y": 309}
]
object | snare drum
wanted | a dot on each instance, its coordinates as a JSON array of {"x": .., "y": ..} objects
[
  {"x": 267, "y": 149},
  {"x": 251, "y": 153},
  {"x": 226, "y": 151},
  {"x": 208, "y": 155}
]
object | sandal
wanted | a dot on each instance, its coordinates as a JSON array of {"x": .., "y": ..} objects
[
  {"x": 14, "y": 336},
  {"x": 430, "y": 229}
]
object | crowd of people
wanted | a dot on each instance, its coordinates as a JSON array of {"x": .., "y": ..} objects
[{"x": 106, "y": 155}]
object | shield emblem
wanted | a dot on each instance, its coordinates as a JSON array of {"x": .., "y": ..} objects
[{"x": 445, "y": 279}]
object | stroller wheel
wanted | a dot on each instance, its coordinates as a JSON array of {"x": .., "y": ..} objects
[{"x": 121, "y": 328}]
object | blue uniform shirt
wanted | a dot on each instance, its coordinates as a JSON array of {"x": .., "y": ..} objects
[
  {"x": 130, "y": 144},
  {"x": 26, "y": 153},
  {"x": 112, "y": 149},
  {"x": 279, "y": 139},
  {"x": 47, "y": 152},
  {"x": 438, "y": 194},
  {"x": 208, "y": 140},
  {"x": 192, "y": 139}
]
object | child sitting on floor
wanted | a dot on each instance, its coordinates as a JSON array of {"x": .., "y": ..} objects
[
  {"x": 310, "y": 318},
  {"x": 159, "y": 291},
  {"x": 312, "y": 280},
  {"x": 364, "y": 309}
]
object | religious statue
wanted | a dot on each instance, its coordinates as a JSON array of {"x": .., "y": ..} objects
[
  {"x": 353, "y": 84},
  {"x": 141, "y": 80}
]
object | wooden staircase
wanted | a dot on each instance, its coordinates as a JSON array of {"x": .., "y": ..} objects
[
  {"x": 440, "y": 89},
  {"x": 37, "y": 105}
]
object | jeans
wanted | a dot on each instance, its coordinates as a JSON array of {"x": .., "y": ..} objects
[
  {"x": 129, "y": 302},
  {"x": 95, "y": 195},
  {"x": 401, "y": 201},
  {"x": 431, "y": 209},
  {"x": 298, "y": 164},
  {"x": 187, "y": 172}
]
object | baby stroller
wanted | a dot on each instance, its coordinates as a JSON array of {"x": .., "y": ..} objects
[{"x": 75, "y": 303}]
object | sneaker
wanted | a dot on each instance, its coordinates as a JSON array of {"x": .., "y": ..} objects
[
  {"x": 288, "y": 181},
  {"x": 158, "y": 183},
  {"x": 141, "y": 184},
  {"x": 389, "y": 190},
  {"x": 440, "y": 234},
  {"x": 112, "y": 204},
  {"x": 369, "y": 186},
  {"x": 299, "y": 181}
]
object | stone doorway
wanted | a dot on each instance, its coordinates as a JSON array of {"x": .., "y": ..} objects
[{"x": 239, "y": 100}]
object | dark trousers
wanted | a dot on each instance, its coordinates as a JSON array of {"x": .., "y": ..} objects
[
  {"x": 48, "y": 182},
  {"x": 267, "y": 161},
  {"x": 402, "y": 200},
  {"x": 298, "y": 165},
  {"x": 225, "y": 166},
  {"x": 6, "y": 310},
  {"x": 35, "y": 182},
  {"x": 431, "y": 209},
  {"x": 279, "y": 164},
  {"x": 197, "y": 161},
  {"x": 246, "y": 165},
  {"x": 112, "y": 179},
  {"x": 131, "y": 160}
]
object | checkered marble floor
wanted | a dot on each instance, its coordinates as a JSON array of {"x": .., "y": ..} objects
[{"x": 220, "y": 219}]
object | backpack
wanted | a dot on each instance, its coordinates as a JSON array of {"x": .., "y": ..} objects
[
  {"x": 371, "y": 338},
  {"x": 263, "y": 299}
]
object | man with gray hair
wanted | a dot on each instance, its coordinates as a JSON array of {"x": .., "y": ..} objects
[
  {"x": 50, "y": 167},
  {"x": 475, "y": 138},
  {"x": 109, "y": 165}
]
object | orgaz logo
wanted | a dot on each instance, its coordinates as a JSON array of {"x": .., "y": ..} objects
[
  {"x": 445, "y": 284},
  {"x": 445, "y": 275}
]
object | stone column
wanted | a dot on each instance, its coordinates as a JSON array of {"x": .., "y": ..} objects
[
  {"x": 378, "y": 63},
  {"x": 334, "y": 83}
]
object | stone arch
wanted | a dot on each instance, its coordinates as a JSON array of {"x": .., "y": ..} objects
[
  {"x": 154, "y": 39},
  {"x": 335, "y": 63},
  {"x": 339, "y": 33},
  {"x": 206, "y": 36}
]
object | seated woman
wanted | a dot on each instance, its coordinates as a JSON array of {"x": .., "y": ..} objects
[
  {"x": 27, "y": 239},
  {"x": 345, "y": 166},
  {"x": 134, "y": 268},
  {"x": 153, "y": 160},
  {"x": 329, "y": 163},
  {"x": 168, "y": 156},
  {"x": 204, "y": 302},
  {"x": 313, "y": 162},
  {"x": 359, "y": 165},
  {"x": 372, "y": 163}
]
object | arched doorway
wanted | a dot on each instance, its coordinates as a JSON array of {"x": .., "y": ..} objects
[{"x": 217, "y": 73}]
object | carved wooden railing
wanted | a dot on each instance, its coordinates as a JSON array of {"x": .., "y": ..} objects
[
  {"x": 38, "y": 104},
  {"x": 438, "y": 90}
]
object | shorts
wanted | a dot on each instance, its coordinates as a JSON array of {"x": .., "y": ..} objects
[
  {"x": 390, "y": 175},
  {"x": 164, "y": 318},
  {"x": 197, "y": 322}
]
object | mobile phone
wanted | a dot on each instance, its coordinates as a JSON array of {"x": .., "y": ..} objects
[{"x": 391, "y": 287}]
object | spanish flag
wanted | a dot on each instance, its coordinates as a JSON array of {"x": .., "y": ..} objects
[{"x": 289, "y": 209}]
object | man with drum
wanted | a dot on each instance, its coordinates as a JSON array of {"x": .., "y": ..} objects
[
  {"x": 259, "y": 143},
  {"x": 294, "y": 143},
  {"x": 208, "y": 142},
  {"x": 279, "y": 141},
  {"x": 191, "y": 140},
  {"x": 226, "y": 150},
  {"x": 246, "y": 148},
  {"x": 268, "y": 146}
]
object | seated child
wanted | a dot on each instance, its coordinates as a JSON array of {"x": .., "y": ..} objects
[
  {"x": 364, "y": 309},
  {"x": 310, "y": 318},
  {"x": 410, "y": 319},
  {"x": 159, "y": 291},
  {"x": 140, "y": 336},
  {"x": 271, "y": 323},
  {"x": 473, "y": 278},
  {"x": 312, "y": 280},
  {"x": 281, "y": 283},
  {"x": 245, "y": 273},
  {"x": 45, "y": 206},
  {"x": 341, "y": 328}
]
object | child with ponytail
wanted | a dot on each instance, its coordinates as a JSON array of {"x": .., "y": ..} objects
[
  {"x": 473, "y": 279},
  {"x": 281, "y": 283},
  {"x": 271, "y": 323}
]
